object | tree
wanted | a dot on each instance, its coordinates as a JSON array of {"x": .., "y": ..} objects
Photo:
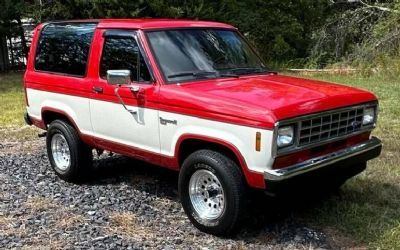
[
  {"x": 11, "y": 14},
  {"x": 357, "y": 31},
  {"x": 320, "y": 32},
  {"x": 281, "y": 30}
]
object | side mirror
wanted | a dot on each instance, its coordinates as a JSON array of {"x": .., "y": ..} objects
[{"x": 118, "y": 77}]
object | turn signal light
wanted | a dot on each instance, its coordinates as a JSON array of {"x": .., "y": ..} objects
[{"x": 258, "y": 141}]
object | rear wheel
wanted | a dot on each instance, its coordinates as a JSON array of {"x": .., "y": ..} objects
[
  {"x": 70, "y": 158},
  {"x": 212, "y": 192}
]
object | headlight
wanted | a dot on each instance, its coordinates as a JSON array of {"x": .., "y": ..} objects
[
  {"x": 369, "y": 116},
  {"x": 285, "y": 136}
]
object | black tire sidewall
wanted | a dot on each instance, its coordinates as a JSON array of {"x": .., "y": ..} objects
[
  {"x": 73, "y": 141},
  {"x": 226, "y": 223}
]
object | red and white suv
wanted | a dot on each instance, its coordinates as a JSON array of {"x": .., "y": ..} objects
[{"x": 192, "y": 96}]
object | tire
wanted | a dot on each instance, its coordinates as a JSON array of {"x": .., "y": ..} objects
[
  {"x": 70, "y": 158},
  {"x": 221, "y": 178}
]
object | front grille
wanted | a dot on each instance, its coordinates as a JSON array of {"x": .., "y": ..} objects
[{"x": 326, "y": 126}]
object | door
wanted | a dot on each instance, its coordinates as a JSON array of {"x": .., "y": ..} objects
[{"x": 114, "y": 127}]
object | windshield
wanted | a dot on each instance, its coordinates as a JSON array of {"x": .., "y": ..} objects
[{"x": 189, "y": 54}]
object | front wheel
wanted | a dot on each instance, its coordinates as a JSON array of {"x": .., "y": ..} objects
[{"x": 212, "y": 192}]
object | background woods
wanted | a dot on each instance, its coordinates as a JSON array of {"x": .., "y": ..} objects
[
  {"x": 138, "y": 206},
  {"x": 296, "y": 33}
]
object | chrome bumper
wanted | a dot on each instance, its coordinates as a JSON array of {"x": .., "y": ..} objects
[{"x": 321, "y": 161}]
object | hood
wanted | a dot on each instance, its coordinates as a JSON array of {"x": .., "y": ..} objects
[{"x": 269, "y": 98}]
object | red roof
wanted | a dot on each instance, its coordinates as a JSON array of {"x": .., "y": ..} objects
[{"x": 158, "y": 23}]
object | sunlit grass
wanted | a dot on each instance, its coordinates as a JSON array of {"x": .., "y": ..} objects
[
  {"x": 12, "y": 103},
  {"x": 368, "y": 208}
]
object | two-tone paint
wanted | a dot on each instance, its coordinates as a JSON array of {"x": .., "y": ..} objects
[{"x": 227, "y": 111}]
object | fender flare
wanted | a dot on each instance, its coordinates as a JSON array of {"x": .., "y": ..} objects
[
  {"x": 85, "y": 138},
  {"x": 254, "y": 179}
]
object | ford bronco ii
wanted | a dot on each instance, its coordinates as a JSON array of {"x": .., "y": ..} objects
[{"x": 192, "y": 96}]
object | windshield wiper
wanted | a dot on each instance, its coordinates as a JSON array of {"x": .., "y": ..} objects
[
  {"x": 228, "y": 74},
  {"x": 233, "y": 72},
  {"x": 248, "y": 70},
  {"x": 195, "y": 74}
]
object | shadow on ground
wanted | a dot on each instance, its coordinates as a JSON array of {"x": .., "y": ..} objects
[{"x": 265, "y": 215}]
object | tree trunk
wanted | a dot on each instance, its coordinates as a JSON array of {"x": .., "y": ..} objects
[
  {"x": 23, "y": 38},
  {"x": 4, "y": 61},
  {"x": 11, "y": 53}
]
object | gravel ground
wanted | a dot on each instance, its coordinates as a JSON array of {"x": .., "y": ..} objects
[{"x": 128, "y": 204}]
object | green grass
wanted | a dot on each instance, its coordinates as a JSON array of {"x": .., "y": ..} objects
[
  {"x": 368, "y": 208},
  {"x": 12, "y": 103}
]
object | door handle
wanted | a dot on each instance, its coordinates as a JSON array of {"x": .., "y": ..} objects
[{"x": 98, "y": 89}]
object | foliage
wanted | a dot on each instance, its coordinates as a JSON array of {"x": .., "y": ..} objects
[
  {"x": 359, "y": 33},
  {"x": 382, "y": 47},
  {"x": 281, "y": 30},
  {"x": 290, "y": 32},
  {"x": 10, "y": 11}
]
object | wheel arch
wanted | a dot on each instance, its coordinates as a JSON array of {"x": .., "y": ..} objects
[
  {"x": 50, "y": 114},
  {"x": 190, "y": 143}
]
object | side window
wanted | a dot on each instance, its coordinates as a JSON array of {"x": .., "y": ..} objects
[
  {"x": 123, "y": 53},
  {"x": 64, "y": 48}
]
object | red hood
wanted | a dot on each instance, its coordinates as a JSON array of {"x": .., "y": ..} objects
[{"x": 265, "y": 99}]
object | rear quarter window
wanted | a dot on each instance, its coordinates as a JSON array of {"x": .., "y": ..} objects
[{"x": 64, "y": 48}]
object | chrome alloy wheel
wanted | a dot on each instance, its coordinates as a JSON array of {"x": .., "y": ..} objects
[
  {"x": 60, "y": 152},
  {"x": 206, "y": 195}
]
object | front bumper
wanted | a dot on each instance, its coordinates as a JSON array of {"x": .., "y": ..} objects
[{"x": 346, "y": 157}]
